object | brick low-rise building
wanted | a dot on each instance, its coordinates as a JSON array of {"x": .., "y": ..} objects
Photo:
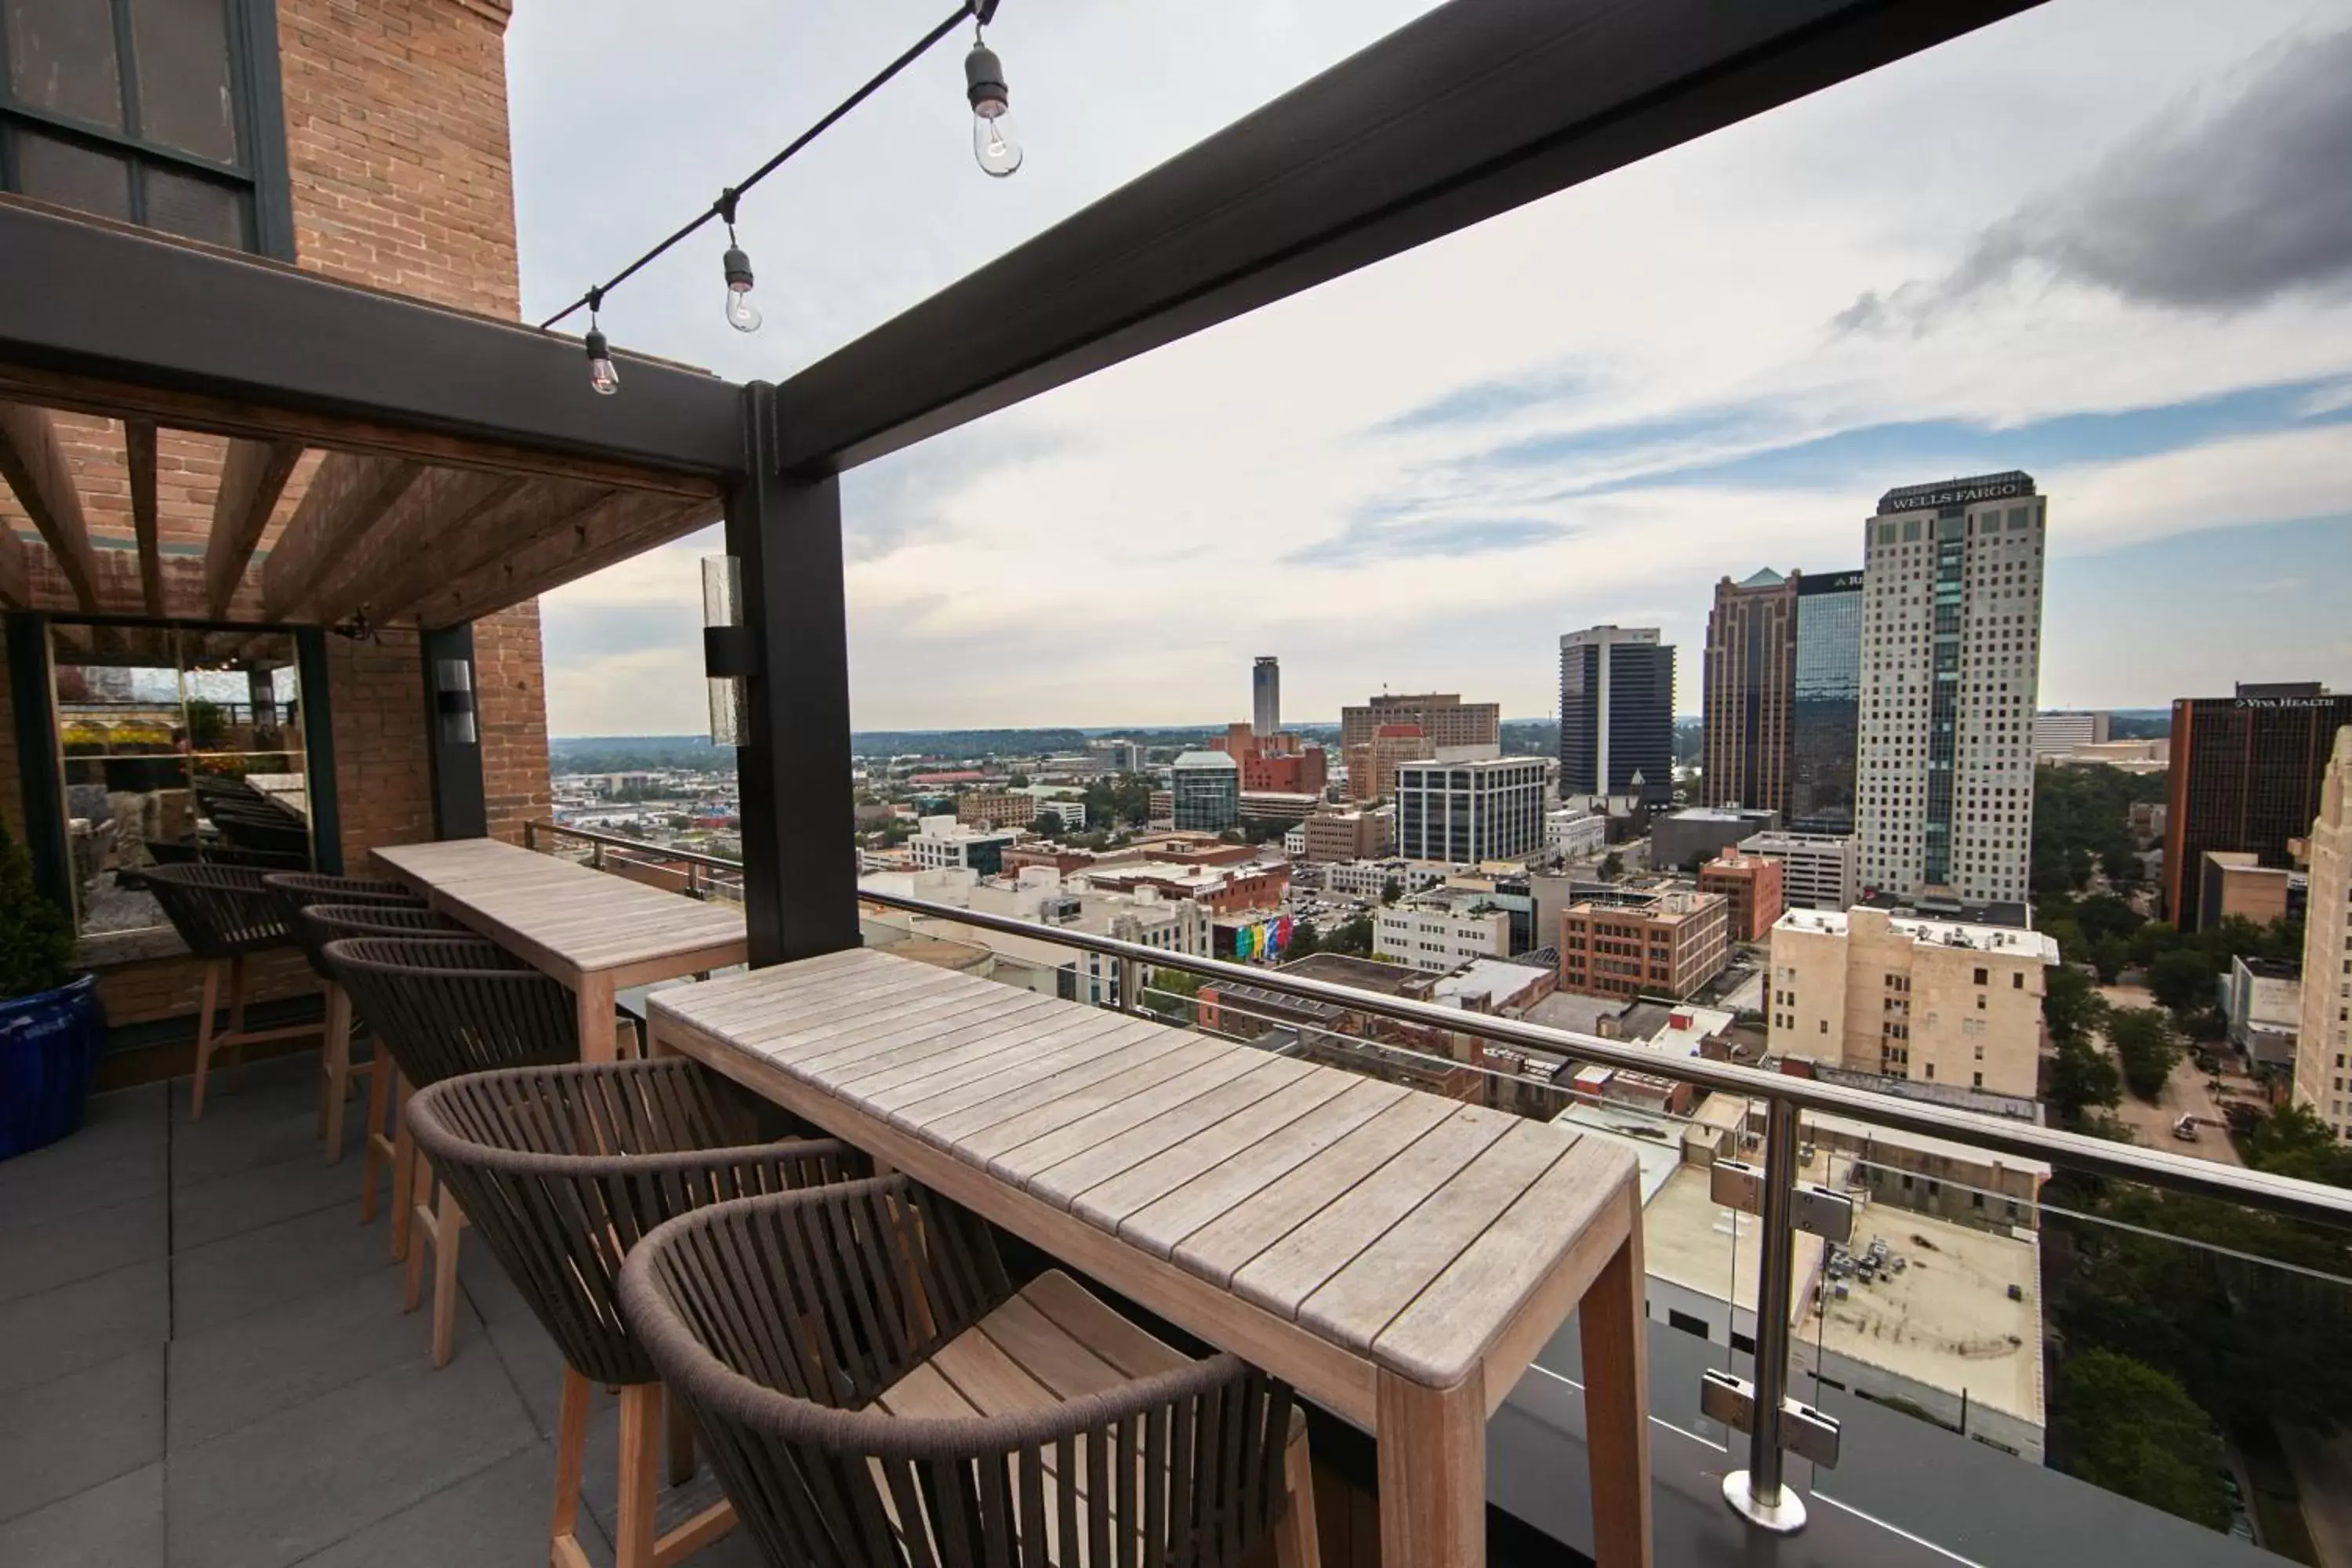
[
  {"x": 1643, "y": 942},
  {"x": 1751, "y": 883},
  {"x": 1349, "y": 835},
  {"x": 977, "y": 808}
]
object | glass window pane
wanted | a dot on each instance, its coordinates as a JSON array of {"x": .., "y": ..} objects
[
  {"x": 61, "y": 59},
  {"x": 71, "y": 175},
  {"x": 180, "y": 50},
  {"x": 194, "y": 208},
  {"x": 127, "y": 801}
]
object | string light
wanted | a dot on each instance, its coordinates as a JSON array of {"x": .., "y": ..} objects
[
  {"x": 993, "y": 143},
  {"x": 741, "y": 314},
  {"x": 602, "y": 375}
]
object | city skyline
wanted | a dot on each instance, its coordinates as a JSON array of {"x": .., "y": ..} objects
[{"x": 1578, "y": 414}]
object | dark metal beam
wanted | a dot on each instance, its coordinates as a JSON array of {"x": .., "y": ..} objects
[
  {"x": 453, "y": 734},
  {"x": 1476, "y": 109},
  {"x": 800, "y": 859},
  {"x": 139, "y": 459},
  {"x": 111, "y": 304}
]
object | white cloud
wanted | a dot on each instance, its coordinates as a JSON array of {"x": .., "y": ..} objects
[{"x": 1115, "y": 551}]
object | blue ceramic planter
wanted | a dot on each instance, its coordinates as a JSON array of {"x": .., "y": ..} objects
[{"x": 50, "y": 1044}]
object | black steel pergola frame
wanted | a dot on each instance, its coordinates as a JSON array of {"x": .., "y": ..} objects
[{"x": 1475, "y": 108}]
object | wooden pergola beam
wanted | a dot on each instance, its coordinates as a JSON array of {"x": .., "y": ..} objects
[
  {"x": 441, "y": 501},
  {"x": 436, "y": 554},
  {"x": 138, "y": 458},
  {"x": 613, "y": 530},
  {"x": 252, "y": 475},
  {"x": 33, "y": 461},
  {"x": 349, "y": 497}
]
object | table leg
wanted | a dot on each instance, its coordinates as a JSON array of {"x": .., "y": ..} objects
[
  {"x": 594, "y": 995},
  {"x": 1611, "y": 1325},
  {"x": 1433, "y": 1472}
]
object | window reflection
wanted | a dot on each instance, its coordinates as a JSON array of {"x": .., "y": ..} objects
[{"x": 177, "y": 744}]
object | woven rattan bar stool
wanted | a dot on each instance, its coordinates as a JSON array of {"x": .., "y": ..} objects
[
  {"x": 226, "y": 915},
  {"x": 387, "y": 1149},
  {"x": 296, "y": 891},
  {"x": 562, "y": 1170},
  {"x": 874, "y": 1392},
  {"x": 442, "y": 1007}
]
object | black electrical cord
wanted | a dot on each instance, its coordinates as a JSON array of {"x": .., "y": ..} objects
[{"x": 982, "y": 11}]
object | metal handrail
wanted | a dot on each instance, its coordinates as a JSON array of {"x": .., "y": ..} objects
[
  {"x": 1757, "y": 1493},
  {"x": 2130, "y": 1162}
]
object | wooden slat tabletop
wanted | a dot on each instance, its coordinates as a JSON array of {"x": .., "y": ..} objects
[
  {"x": 1398, "y": 1226},
  {"x": 559, "y": 915}
]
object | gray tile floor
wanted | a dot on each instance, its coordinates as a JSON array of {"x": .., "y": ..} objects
[{"x": 205, "y": 1363}]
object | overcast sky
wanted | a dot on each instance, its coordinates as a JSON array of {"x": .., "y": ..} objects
[{"x": 2109, "y": 241}]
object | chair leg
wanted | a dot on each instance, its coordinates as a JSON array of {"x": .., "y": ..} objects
[
  {"x": 404, "y": 1172},
  {"x": 680, "y": 1469},
  {"x": 571, "y": 1443},
  {"x": 1295, "y": 1545},
  {"x": 236, "y": 1021},
  {"x": 337, "y": 1085},
  {"x": 448, "y": 1224},
  {"x": 641, "y": 1444},
  {"x": 421, "y": 1230},
  {"x": 205, "y": 1039},
  {"x": 375, "y": 1154}
]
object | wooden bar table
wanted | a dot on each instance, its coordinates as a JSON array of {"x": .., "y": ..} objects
[
  {"x": 1397, "y": 1257},
  {"x": 594, "y": 932}
]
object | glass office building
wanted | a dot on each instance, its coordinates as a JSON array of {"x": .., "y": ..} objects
[{"x": 1826, "y": 712}]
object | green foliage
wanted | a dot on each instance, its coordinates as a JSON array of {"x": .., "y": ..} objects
[
  {"x": 2081, "y": 822},
  {"x": 2133, "y": 1431},
  {"x": 2293, "y": 1141},
  {"x": 1045, "y": 825},
  {"x": 2183, "y": 980},
  {"x": 1612, "y": 866},
  {"x": 1170, "y": 993},
  {"x": 1303, "y": 941},
  {"x": 2147, "y": 1047},
  {"x": 2084, "y": 1080},
  {"x": 1392, "y": 891},
  {"x": 207, "y": 724},
  {"x": 37, "y": 938},
  {"x": 1124, "y": 799},
  {"x": 1354, "y": 938},
  {"x": 2071, "y": 1005}
]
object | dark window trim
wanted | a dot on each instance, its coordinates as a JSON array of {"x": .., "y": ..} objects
[{"x": 254, "y": 81}]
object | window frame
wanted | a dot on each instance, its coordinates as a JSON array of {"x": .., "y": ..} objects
[
  {"x": 259, "y": 98},
  {"x": 40, "y": 772}
]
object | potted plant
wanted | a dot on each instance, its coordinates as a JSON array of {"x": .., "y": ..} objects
[{"x": 51, "y": 1024}]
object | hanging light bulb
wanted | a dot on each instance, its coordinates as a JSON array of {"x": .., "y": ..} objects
[
  {"x": 601, "y": 374},
  {"x": 993, "y": 140},
  {"x": 741, "y": 314}
]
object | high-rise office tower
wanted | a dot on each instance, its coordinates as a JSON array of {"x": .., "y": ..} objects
[
  {"x": 2323, "y": 1080},
  {"x": 1826, "y": 712},
  {"x": 1617, "y": 713},
  {"x": 1951, "y": 653},
  {"x": 1749, "y": 678},
  {"x": 2246, "y": 775},
  {"x": 1265, "y": 695}
]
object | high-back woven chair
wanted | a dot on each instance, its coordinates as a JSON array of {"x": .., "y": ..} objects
[
  {"x": 225, "y": 914},
  {"x": 843, "y": 1352},
  {"x": 383, "y": 1150},
  {"x": 295, "y": 892},
  {"x": 562, "y": 1170},
  {"x": 442, "y": 1007}
]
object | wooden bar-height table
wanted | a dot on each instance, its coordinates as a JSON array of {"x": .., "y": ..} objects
[
  {"x": 1395, "y": 1256},
  {"x": 594, "y": 932}
]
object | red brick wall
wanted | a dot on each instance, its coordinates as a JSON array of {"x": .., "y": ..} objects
[{"x": 396, "y": 115}]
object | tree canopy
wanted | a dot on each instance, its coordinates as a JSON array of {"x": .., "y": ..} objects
[{"x": 2133, "y": 1431}]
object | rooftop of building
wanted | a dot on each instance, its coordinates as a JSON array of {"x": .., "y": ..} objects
[
  {"x": 2007, "y": 941},
  {"x": 1946, "y": 1320},
  {"x": 2269, "y": 968},
  {"x": 1776, "y": 840},
  {"x": 1665, "y": 906},
  {"x": 1489, "y": 983},
  {"x": 1956, "y": 492},
  {"x": 1716, "y": 813},
  {"x": 1207, "y": 759},
  {"x": 1363, "y": 974}
]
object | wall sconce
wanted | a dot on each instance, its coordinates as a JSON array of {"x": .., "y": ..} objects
[
  {"x": 453, "y": 700},
  {"x": 727, "y": 655}
]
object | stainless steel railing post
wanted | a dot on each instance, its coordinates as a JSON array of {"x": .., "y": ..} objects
[
  {"x": 1757, "y": 1492},
  {"x": 1131, "y": 985}
]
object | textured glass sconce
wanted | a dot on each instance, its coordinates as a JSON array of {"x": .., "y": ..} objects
[
  {"x": 726, "y": 648},
  {"x": 453, "y": 700}
]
